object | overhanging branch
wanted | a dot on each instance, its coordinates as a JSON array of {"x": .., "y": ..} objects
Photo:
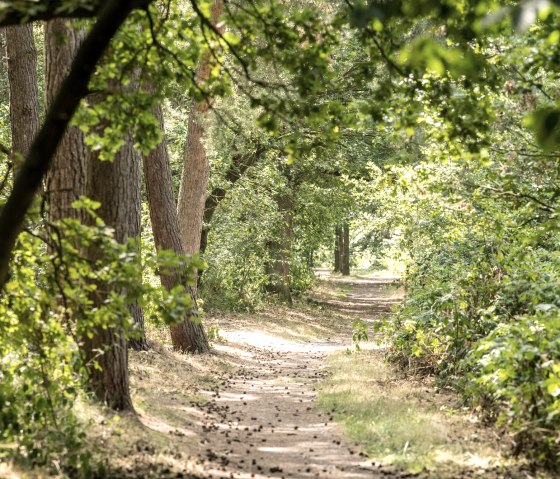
[{"x": 25, "y": 11}]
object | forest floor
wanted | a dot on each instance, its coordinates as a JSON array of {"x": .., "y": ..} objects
[{"x": 286, "y": 394}]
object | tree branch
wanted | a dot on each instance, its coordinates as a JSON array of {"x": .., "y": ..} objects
[{"x": 16, "y": 13}]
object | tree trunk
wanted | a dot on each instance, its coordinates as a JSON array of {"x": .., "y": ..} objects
[
  {"x": 67, "y": 177},
  {"x": 337, "y": 252},
  {"x": 281, "y": 251},
  {"x": 345, "y": 263},
  {"x": 189, "y": 335},
  {"x": 194, "y": 179},
  {"x": 24, "y": 96},
  {"x": 116, "y": 185},
  {"x": 139, "y": 342}
]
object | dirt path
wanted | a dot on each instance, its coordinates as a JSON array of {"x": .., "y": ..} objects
[{"x": 264, "y": 423}]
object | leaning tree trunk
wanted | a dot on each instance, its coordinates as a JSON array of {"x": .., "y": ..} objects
[
  {"x": 239, "y": 165},
  {"x": 67, "y": 176},
  {"x": 188, "y": 335},
  {"x": 194, "y": 180},
  {"x": 345, "y": 260},
  {"x": 24, "y": 96}
]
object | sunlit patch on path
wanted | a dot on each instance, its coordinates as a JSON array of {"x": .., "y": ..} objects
[{"x": 264, "y": 421}]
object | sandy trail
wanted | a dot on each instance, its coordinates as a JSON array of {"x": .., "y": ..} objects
[{"x": 263, "y": 422}]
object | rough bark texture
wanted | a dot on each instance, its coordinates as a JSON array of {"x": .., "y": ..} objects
[
  {"x": 74, "y": 89},
  {"x": 139, "y": 343},
  {"x": 4, "y": 92},
  {"x": 116, "y": 185},
  {"x": 134, "y": 228},
  {"x": 345, "y": 260},
  {"x": 194, "y": 180},
  {"x": 67, "y": 176},
  {"x": 337, "y": 251},
  {"x": 24, "y": 95},
  {"x": 110, "y": 384},
  {"x": 189, "y": 335},
  {"x": 281, "y": 251}
]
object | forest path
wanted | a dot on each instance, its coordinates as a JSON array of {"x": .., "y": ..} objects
[{"x": 263, "y": 421}]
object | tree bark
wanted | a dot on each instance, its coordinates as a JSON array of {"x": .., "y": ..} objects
[
  {"x": 189, "y": 335},
  {"x": 132, "y": 160},
  {"x": 281, "y": 251},
  {"x": 38, "y": 161},
  {"x": 194, "y": 179},
  {"x": 239, "y": 165},
  {"x": 116, "y": 185},
  {"x": 24, "y": 95},
  {"x": 67, "y": 176},
  {"x": 345, "y": 263}
]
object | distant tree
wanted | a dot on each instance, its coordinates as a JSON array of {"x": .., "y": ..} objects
[
  {"x": 345, "y": 257},
  {"x": 337, "y": 249}
]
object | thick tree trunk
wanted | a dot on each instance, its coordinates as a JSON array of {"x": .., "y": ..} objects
[
  {"x": 345, "y": 260},
  {"x": 189, "y": 335},
  {"x": 337, "y": 252},
  {"x": 4, "y": 92},
  {"x": 134, "y": 214},
  {"x": 116, "y": 185},
  {"x": 24, "y": 95},
  {"x": 194, "y": 179},
  {"x": 67, "y": 177}
]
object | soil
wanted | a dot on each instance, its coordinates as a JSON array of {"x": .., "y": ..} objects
[{"x": 263, "y": 422}]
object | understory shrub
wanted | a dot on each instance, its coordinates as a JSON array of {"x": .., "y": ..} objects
[
  {"x": 484, "y": 317},
  {"x": 45, "y": 312},
  {"x": 517, "y": 367}
]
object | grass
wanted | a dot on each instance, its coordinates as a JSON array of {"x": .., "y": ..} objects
[{"x": 404, "y": 422}]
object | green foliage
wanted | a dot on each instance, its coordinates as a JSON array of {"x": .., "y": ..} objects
[
  {"x": 213, "y": 333},
  {"x": 517, "y": 367},
  {"x": 46, "y": 310},
  {"x": 360, "y": 332}
]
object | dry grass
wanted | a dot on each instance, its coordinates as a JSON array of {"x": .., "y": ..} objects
[{"x": 404, "y": 422}]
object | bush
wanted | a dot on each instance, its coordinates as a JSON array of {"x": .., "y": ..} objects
[
  {"x": 45, "y": 312},
  {"x": 487, "y": 324},
  {"x": 517, "y": 367}
]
